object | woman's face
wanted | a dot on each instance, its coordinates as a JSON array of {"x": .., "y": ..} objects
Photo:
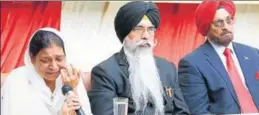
[{"x": 49, "y": 61}]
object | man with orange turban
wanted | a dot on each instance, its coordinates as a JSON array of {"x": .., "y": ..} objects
[{"x": 221, "y": 76}]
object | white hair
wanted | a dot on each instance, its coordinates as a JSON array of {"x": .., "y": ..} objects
[{"x": 144, "y": 76}]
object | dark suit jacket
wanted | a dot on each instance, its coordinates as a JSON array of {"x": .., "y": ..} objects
[
  {"x": 205, "y": 82},
  {"x": 110, "y": 79}
]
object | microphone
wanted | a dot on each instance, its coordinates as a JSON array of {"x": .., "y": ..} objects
[{"x": 68, "y": 90}]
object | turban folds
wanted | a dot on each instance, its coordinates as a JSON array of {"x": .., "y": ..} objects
[
  {"x": 205, "y": 13},
  {"x": 131, "y": 14}
]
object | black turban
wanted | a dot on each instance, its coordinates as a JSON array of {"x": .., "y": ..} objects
[{"x": 131, "y": 14}]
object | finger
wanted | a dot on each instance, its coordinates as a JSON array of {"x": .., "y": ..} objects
[
  {"x": 66, "y": 80},
  {"x": 74, "y": 76},
  {"x": 63, "y": 75},
  {"x": 65, "y": 67},
  {"x": 69, "y": 104},
  {"x": 69, "y": 70},
  {"x": 65, "y": 72},
  {"x": 77, "y": 76},
  {"x": 69, "y": 99},
  {"x": 76, "y": 107},
  {"x": 72, "y": 104},
  {"x": 74, "y": 71},
  {"x": 80, "y": 73},
  {"x": 67, "y": 77},
  {"x": 75, "y": 104},
  {"x": 75, "y": 99}
]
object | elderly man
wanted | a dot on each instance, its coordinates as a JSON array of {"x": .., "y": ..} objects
[
  {"x": 221, "y": 76},
  {"x": 150, "y": 83}
]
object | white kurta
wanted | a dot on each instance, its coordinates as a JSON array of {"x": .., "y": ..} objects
[{"x": 25, "y": 93}]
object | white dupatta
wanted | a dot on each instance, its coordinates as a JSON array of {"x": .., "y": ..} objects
[{"x": 25, "y": 92}]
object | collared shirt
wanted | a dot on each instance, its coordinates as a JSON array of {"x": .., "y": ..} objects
[{"x": 220, "y": 51}]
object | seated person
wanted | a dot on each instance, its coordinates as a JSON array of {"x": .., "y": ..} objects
[
  {"x": 35, "y": 89},
  {"x": 220, "y": 76},
  {"x": 150, "y": 83}
]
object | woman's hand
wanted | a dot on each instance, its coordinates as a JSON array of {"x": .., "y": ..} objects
[
  {"x": 70, "y": 76},
  {"x": 71, "y": 104}
]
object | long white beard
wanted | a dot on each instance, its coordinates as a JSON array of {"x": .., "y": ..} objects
[{"x": 144, "y": 78}]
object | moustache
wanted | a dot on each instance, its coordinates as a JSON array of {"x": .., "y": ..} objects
[
  {"x": 225, "y": 32},
  {"x": 145, "y": 43}
]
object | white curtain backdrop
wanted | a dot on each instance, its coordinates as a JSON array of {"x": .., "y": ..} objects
[
  {"x": 89, "y": 32},
  {"x": 106, "y": 37},
  {"x": 247, "y": 24},
  {"x": 80, "y": 23}
]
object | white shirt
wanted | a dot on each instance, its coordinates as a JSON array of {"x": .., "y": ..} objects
[{"x": 220, "y": 50}]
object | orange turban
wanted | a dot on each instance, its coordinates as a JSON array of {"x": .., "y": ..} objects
[{"x": 205, "y": 13}]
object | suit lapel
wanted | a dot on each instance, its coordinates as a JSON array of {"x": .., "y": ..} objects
[
  {"x": 244, "y": 61},
  {"x": 216, "y": 63},
  {"x": 247, "y": 64},
  {"x": 123, "y": 63}
]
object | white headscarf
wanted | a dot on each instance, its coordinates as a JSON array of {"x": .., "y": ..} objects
[
  {"x": 27, "y": 58},
  {"x": 25, "y": 92}
]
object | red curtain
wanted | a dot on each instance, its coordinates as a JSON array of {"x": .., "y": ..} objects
[
  {"x": 18, "y": 22},
  {"x": 177, "y": 34}
]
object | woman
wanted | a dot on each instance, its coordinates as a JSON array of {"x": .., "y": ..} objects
[{"x": 35, "y": 89}]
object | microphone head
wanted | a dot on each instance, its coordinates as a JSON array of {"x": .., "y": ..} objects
[{"x": 66, "y": 89}]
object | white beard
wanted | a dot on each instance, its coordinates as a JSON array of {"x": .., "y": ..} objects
[{"x": 144, "y": 78}]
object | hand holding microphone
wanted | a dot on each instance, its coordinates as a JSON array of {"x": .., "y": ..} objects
[
  {"x": 70, "y": 77},
  {"x": 72, "y": 103}
]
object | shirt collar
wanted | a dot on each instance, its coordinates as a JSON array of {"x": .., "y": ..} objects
[{"x": 220, "y": 49}]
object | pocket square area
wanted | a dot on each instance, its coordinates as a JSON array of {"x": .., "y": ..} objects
[{"x": 257, "y": 75}]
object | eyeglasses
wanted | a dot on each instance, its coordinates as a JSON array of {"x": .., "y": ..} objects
[
  {"x": 221, "y": 23},
  {"x": 139, "y": 30}
]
